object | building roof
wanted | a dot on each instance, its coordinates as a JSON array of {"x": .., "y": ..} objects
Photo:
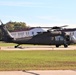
[{"x": 25, "y": 29}]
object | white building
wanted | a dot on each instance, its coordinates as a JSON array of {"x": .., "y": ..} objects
[
  {"x": 34, "y": 31},
  {"x": 27, "y": 32},
  {"x": 71, "y": 31},
  {"x": 74, "y": 33}
]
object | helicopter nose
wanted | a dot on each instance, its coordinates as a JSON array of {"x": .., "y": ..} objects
[{"x": 73, "y": 39}]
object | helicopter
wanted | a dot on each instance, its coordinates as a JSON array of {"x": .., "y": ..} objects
[{"x": 53, "y": 36}]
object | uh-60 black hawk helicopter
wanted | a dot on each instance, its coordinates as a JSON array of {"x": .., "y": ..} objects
[{"x": 54, "y": 36}]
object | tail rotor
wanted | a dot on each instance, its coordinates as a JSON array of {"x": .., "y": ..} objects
[{"x": 1, "y": 23}]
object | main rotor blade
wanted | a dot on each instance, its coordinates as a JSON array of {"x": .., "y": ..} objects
[
  {"x": 64, "y": 26},
  {"x": 51, "y": 27}
]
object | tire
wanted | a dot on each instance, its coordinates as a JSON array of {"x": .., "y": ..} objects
[
  {"x": 65, "y": 45},
  {"x": 57, "y": 46}
]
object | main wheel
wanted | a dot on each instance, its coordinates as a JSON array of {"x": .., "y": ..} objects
[
  {"x": 65, "y": 45},
  {"x": 57, "y": 46}
]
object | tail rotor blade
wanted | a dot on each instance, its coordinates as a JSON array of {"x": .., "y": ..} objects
[{"x": 1, "y": 22}]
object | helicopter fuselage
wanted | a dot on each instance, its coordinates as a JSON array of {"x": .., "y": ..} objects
[{"x": 45, "y": 38}]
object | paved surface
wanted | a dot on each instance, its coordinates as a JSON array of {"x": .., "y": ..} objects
[
  {"x": 46, "y": 72},
  {"x": 38, "y": 48}
]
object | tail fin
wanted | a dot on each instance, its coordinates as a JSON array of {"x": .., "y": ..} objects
[{"x": 6, "y": 34}]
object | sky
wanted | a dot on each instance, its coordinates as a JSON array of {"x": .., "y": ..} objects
[{"x": 39, "y": 12}]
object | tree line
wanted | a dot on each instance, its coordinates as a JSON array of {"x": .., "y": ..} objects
[{"x": 14, "y": 26}]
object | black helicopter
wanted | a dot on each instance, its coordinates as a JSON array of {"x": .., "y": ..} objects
[{"x": 54, "y": 36}]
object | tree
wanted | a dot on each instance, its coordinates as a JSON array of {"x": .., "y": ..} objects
[
  {"x": 14, "y": 26},
  {"x": 20, "y": 25},
  {"x": 10, "y": 26}
]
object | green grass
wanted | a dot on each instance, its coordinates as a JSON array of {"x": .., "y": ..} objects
[
  {"x": 37, "y": 60},
  {"x": 13, "y": 44},
  {"x": 3, "y": 44},
  {"x": 7, "y": 44}
]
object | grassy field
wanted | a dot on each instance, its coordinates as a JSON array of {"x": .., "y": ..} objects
[
  {"x": 11, "y": 44},
  {"x": 7, "y": 44},
  {"x": 37, "y": 60}
]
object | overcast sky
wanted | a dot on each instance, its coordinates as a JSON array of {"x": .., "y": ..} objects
[{"x": 39, "y": 12}]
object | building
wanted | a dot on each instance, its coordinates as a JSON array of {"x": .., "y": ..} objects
[
  {"x": 27, "y": 32},
  {"x": 71, "y": 31},
  {"x": 34, "y": 31}
]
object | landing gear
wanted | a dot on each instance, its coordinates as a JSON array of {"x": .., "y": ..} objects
[
  {"x": 57, "y": 46},
  {"x": 17, "y": 46},
  {"x": 65, "y": 45}
]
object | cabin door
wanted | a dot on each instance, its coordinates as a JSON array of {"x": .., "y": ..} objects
[{"x": 59, "y": 39}]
